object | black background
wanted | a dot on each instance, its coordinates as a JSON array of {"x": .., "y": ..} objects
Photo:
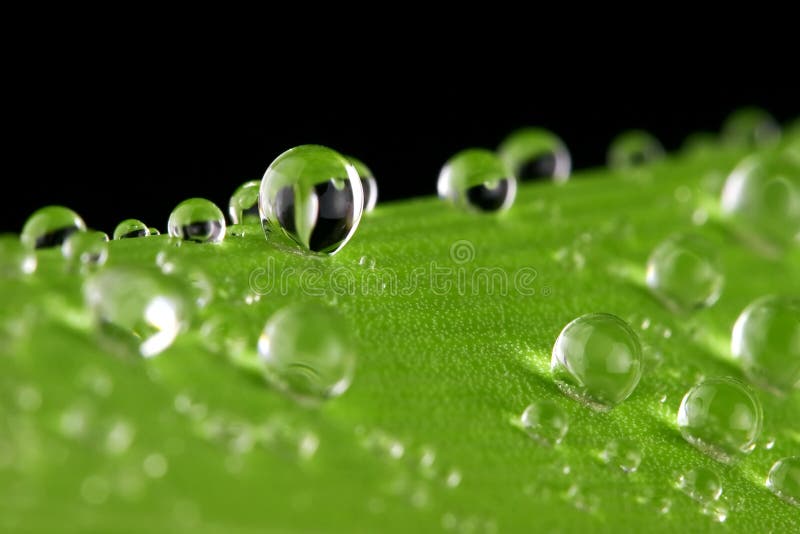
[{"x": 134, "y": 146}]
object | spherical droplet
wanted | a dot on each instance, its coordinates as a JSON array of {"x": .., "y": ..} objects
[
  {"x": 85, "y": 250},
  {"x": 15, "y": 259},
  {"x": 535, "y": 153},
  {"x": 308, "y": 352},
  {"x": 784, "y": 479},
  {"x": 761, "y": 197},
  {"x": 634, "y": 148},
  {"x": 766, "y": 339},
  {"x": 721, "y": 417},
  {"x": 154, "y": 231},
  {"x": 131, "y": 228},
  {"x": 477, "y": 180},
  {"x": 545, "y": 422},
  {"x": 749, "y": 128},
  {"x": 311, "y": 199},
  {"x": 701, "y": 484},
  {"x": 197, "y": 219},
  {"x": 136, "y": 309},
  {"x": 368, "y": 183},
  {"x": 50, "y": 226},
  {"x": 597, "y": 358},
  {"x": 622, "y": 453},
  {"x": 243, "y": 206},
  {"x": 684, "y": 272}
]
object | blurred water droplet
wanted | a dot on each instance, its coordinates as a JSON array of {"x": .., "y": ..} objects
[
  {"x": 536, "y": 154},
  {"x": 545, "y": 422},
  {"x": 701, "y": 484},
  {"x": 155, "y": 465},
  {"x": 477, "y": 180},
  {"x": 622, "y": 453},
  {"x": 243, "y": 205},
  {"x": 784, "y": 479},
  {"x": 50, "y": 226},
  {"x": 16, "y": 260},
  {"x": 130, "y": 228}
]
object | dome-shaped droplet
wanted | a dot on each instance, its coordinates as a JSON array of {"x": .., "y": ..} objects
[
  {"x": 623, "y": 454},
  {"x": 243, "y": 206},
  {"x": 762, "y": 198},
  {"x": 85, "y": 250},
  {"x": 634, "y": 148},
  {"x": 477, "y": 180},
  {"x": 784, "y": 479},
  {"x": 766, "y": 339},
  {"x": 701, "y": 484},
  {"x": 721, "y": 417},
  {"x": 197, "y": 219},
  {"x": 50, "y": 226},
  {"x": 311, "y": 199},
  {"x": 597, "y": 358},
  {"x": 534, "y": 154},
  {"x": 136, "y": 309},
  {"x": 545, "y": 422},
  {"x": 308, "y": 352},
  {"x": 750, "y": 128},
  {"x": 154, "y": 231},
  {"x": 684, "y": 271},
  {"x": 131, "y": 228},
  {"x": 15, "y": 259},
  {"x": 368, "y": 183}
]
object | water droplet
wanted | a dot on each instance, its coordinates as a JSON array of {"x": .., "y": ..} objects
[
  {"x": 136, "y": 308},
  {"x": 477, "y": 180},
  {"x": 15, "y": 259},
  {"x": 701, "y": 484},
  {"x": 154, "y": 231},
  {"x": 535, "y": 153},
  {"x": 545, "y": 422},
  {"x": 453, "y": 478},
  {"x": 699, "y": 217},
  {"x": 74, "y": 422},
  {"x": 239, "y": 230},
  {"x": 784, "y": 479},
  {"x": 683, "y": 194},
  {"x": 307, "y": 445},
  {"x": 28, "y": 398},
  {"x": 684, "y": 272},
  {"x": 85, "y": 251},
  {"x": 769, "y": 443},
  {"x": 196, "y": 282},
  {"x": 762, "y": 198},
  {"x": 50, "y": 226},
  {"x": 311, "y": 199},
  {"x": 243, "y": 206},
  {"x": 197, "y": 219},
  {"x": 95, "y": 490},
  {"x": 131, "y": 228},
  {"x": 664, "y": 505},
  {"x": 622, "y": 453},
  {"x": 119, "y": 437},
  {"x": 749, "y": 128},
  {"x": 449, "y": 521},
  {"x": 307, "y": 351},
  {"x": 597, "y": 358},
  {"x": 766, "y": 339},
  {"x": 634, "y": 148},
  {"x": 721, "y": 417},
  {"x": 368, "y": 183},
  {"x": 155, "y": 465}
]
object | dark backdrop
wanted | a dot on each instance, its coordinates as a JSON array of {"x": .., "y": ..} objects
[{"x": 124, "y": 147}]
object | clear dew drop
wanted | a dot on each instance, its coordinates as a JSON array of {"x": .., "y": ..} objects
[
  {"x": 716, "y": 510},
  {"x": 684, "y": 271},
  {"x": 308, "y": 352},
  {"x": 243, "y": 206},
  {"x": 131, "y": 228},
  {"x": 85, "y": 251},
  {"x": 311, "y": 200},
  {"x": 784, "y": 479},
  {"x": 536, "y": 154},
  {"x": 16, "y": 260},
  {"x": 766, "y": 340},
  {"x": 701, "y": 484},
  {"x": 368, "y": 183},
  {"x": 50, "y": 226},
  {"x": 623, "y": 454},
  {"x": 632, "y": 149},
  {"x": 597, "y": 359},
  {"x": 750, "y": 128},
  {"x": 722, "y": 417},
  {"x": 154, "y": 231},
  {"x": 198, "y": 220},
  {"x": 477, "y": 180},
  {"x": 136, "y": 309},
  {"x": 545, "y": 422}
]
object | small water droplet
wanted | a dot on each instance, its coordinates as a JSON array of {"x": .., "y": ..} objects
[
  {"x": 95, "y": 490},
  {"x": 131, "y": 228},
  {"x": 645, "y": 323},
  {"x": 28, "y": 398},
  {"x": 154, "y": 231},
  {"x": 243, "y": 206},
  {"x": 632, "y": 149},
  {"x": 307, "y": 445},
  {"x": 784, "y": 479},
  {"x": 597, "y": 358},
  {"x": 769, "y": 443},
  {"x": 368, "y": 184},
  {"x": 750, "y": 127},
  {"x": 197, "y": 219},
  {"x": 545, "y": 422},
  {"x": 50, "y": 226},
  {"x": 74, "y": 422},
  {"x": 535, "y": 154},
  {"x": 699, "y": 217},
  {"x": 85, "y": 251},
  {"x": 366, "y": 261},
  {"x": 721, "y": 417},
  {"x": 195, "y": 280},
  {"x": 683, "y": 194},
  {"x": 664, "y": 505},
  {"x": 16, "y": 260},
  {"x": 701, "y": 484},
  {"x": 155, "y": 465},
  {"x": 453, "y": 478},
  {"x": 119, "y": 437},
  {"x": 238, "y": 230},
  {"x": 622, "y": 453},
  {"x": 477, "y": 180},
  {"x": 449, "y": 521}
]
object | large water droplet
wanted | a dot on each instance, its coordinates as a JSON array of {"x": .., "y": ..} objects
[
  {"x": 622, "y": 453},
  {"x": 784, "y": 479},
  {"x": 762, "y": 198},
  {"x": 721, "y": 417},
  {"x": 701, "y": 484},
  {"x": 597, "y": 358},
  {"x": 368, "y": 183},
  {"x": 197, "y": 219},
  {"x": 766, "y": 338},
  {"x": 311, "y": 199},
  {"x": 476, "y": 179},
  {"x": 136, "y": 309},
  {"x": 85, "y": 251},
  {"x": 684, "y": 271},
  {"x": 749, "y": 128},
  {"x": 131, "y": 228},
  {"x": 634, "y": 148},
  {"x": 15, "y": 259},
  {"x": 308, "y": 352},
  {"x": 243, "y": 206},
  {"x": 50, "y": 226},
  {"x": 545, "y": 422},
  {"x": 535, "y": 153}
]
